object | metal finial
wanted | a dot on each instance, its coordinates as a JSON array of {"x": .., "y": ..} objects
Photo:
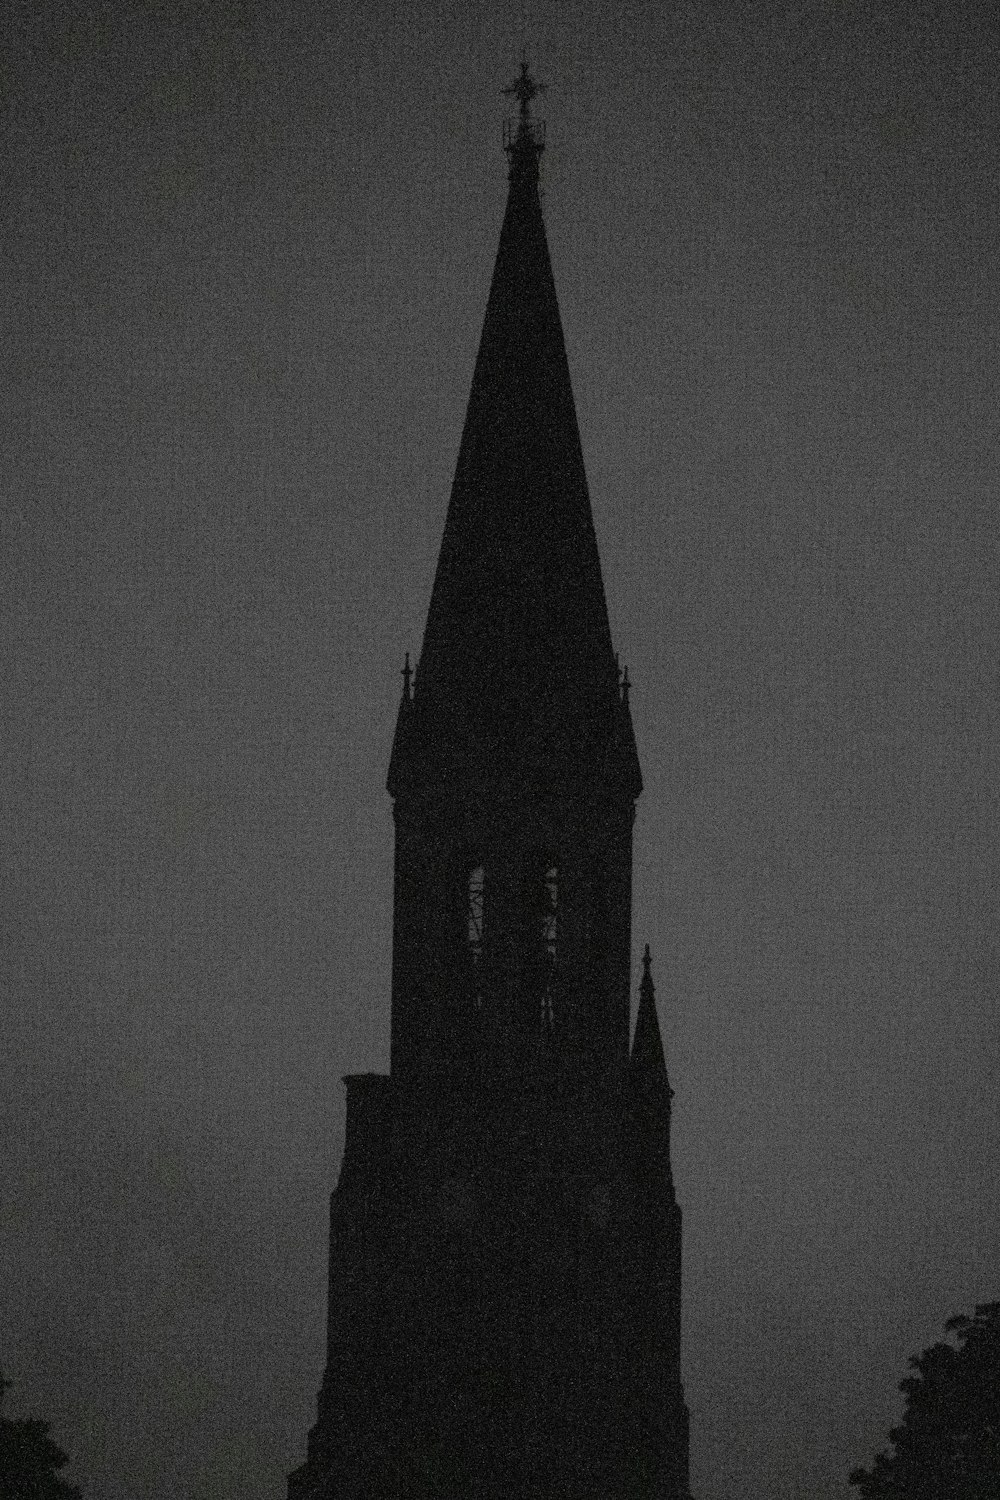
[
  {"x": 524, "y": 89},
  {"x": 647, "y": 963},
  {"x": 524, "y": 136},
  {"x": 406, "y": 675}
]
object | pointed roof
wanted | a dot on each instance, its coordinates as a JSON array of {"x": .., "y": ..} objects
[
  {"x": 649, "y": 1092},
  {"x": 517, "y": 657}
]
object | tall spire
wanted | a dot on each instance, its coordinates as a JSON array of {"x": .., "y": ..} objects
[{"x": 517, "y": 653}]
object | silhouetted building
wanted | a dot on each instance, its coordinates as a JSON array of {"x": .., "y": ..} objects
[{"x": 505, "y": 1243}]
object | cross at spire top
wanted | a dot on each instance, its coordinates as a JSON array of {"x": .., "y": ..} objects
[
  {"x": 524, "y": 137},
  {"x": 524, "y": 89}
]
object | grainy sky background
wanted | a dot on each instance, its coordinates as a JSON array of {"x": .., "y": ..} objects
[{"x": 245, "y": 258}]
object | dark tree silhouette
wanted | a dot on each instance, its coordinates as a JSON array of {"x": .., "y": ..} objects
[
  {"x": 947, "y": 1446},
  {"x": 29, "y": 1460}
]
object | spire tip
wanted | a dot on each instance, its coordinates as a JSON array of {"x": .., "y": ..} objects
[
  {"x": 524, "y": 88},
  {"x": 525, "y": 135}
]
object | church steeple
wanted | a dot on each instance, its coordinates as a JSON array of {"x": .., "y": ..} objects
[
  {"x": 504, "y": 1303},
  {"x": 517, "y": 667}
]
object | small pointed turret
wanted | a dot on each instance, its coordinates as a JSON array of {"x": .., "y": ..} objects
[
  {"x": 656, "y": 1310},
  {"x": 403, "y": 722},
  {"x": 649, "y": 1087},
  {"x": 647, "y": 1065}
]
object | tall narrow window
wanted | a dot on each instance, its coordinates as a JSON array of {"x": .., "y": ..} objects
[
  {"x": 549, "y": 936},
  {"x": 474, "y": 930}
]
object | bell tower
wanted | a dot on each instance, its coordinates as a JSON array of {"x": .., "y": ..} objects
[{"x": 504, "y": 1297}]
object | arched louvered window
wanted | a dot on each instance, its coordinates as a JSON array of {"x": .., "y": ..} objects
[
  {"x": 550, "y": 912},
  {"x": 546, "y": 922},
  {"x": 474, "y": 912}
]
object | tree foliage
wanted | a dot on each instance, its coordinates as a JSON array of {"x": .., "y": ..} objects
[
  {"x": 947, "y": 1446},
  {"x": 29, "y": 1460}
]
